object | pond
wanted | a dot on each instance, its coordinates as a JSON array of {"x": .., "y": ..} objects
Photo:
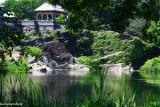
[{"x": 73, "y": 84}]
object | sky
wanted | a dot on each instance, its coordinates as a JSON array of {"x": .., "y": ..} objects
[{"x": 2, "y": 1}]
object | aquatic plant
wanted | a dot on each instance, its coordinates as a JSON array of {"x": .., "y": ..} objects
[{"x": 122, "y": 102}]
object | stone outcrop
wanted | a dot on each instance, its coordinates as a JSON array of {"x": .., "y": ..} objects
[
  {"x": 72, "y": 43},
  {"x": 78, "y": 67},
  {"x": 39, "y": 41},
  {"x": 118, "y": 67},
  {"x": 56, "y": 56}
]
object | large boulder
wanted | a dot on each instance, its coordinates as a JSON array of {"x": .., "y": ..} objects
[
  {"x": 39, "y": 41},
  {"x": 78, "y": 67},
  {"x": 56, "y": 56},
  {"x": 118, "y": 67}
]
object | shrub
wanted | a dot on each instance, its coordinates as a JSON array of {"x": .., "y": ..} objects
[
  {"x": 20, "y": 65},
  {"x": 33, "y": 51},
  {"x": 55, "y": 34},
  {"x": 137, "y": 49},
  {"x": 103, "y": 43},
  {"x": 104, "y": 27},
  {"x": 153, "y": 33},
  {"x": 84, "y": 44},
  {"x": 151, "y": 65},
  {"x": 92, "y": 62},
  {"x": 27, "y": 35},
  {"x": 106, "y": 43},
  {"x": 39, "y": 34}
]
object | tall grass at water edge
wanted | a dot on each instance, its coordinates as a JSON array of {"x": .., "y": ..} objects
[{"x": 21, "y": 91}]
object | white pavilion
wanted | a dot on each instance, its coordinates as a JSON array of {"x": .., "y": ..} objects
[{"x": 49, "y": 12}]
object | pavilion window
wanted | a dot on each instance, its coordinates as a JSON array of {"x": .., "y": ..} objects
[
  {"x": 44, "y": 17},
  {"x": 54, "y": 16},
  {"x": 39, "y": 17},
  {"x": 50, "y": 17}
]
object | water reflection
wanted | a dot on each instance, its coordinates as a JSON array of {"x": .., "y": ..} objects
[
  {"x": 62, "y": 83},
  {"x": 60, "y": 72},
  {"x": 74, "y": 84}
]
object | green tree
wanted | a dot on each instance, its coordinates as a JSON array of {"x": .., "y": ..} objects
[
  {"x": 86, "y": 14},
  {"x": 135, "y": 27},
  {"x": 153, "y": 33},
  {"x": 81, "y": 13}
]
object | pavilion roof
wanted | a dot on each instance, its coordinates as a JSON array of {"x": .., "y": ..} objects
[{"x": 49, "y": 7}]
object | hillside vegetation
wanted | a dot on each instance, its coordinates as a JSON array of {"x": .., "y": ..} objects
[{"x": 101, "y": 44}]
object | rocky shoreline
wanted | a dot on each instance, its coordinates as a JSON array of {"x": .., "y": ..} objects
[{"x": 56, "y": 56}]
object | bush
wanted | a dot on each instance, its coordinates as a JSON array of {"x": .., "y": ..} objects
[
  {"x": 39, "y": 34},
  {"x": 54, "y": 34},
  {"x": 84, "y": 44},
  {"x": 27, "y": 35},
  {"x": 92, "y": 62},
  {"x": 102, "y": 44},
  {"x": 151, "y": 65},
  {"x": 137, "y": 49},
  {"x": 106, "y": 43},
  {"x": 153, "y": 33},
  {"x": 33, "y": 51},
  {"x": 20, "y": 65}
]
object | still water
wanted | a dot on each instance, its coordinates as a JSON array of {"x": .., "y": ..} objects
[{"x": 74, "y": 84}]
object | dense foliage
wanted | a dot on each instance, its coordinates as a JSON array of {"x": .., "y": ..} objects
[
  {"x": 135, "y": 27},
  {"x": 54, "y": 34},
  {"x": 84, "y": 44},
  {"x": 137, "y": 49},
  {"x": 133, "y": 52},
  {"x": 151, "y": 65},
  {"x": 13, "y": 66},
  {"x": 92, "y": 62},
  {"x": 106, "y": 43},
  {"x": 153, "y": 33},
  {"x": 33, "y": 51}
]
